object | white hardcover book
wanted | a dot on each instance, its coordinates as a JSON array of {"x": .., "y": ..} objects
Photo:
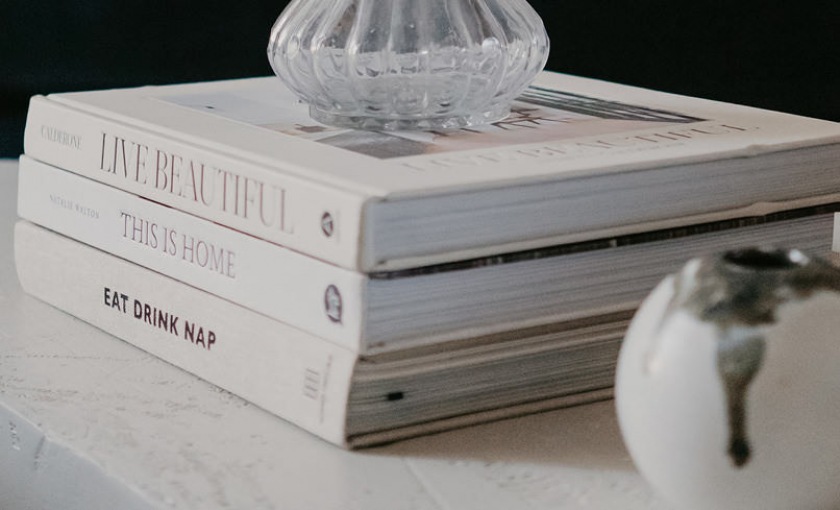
[
  {"x": 319, "y": 298},
  {"x": 278, "y": 367},
  {"x": 370, "y": 313},
  {"x": 330, "y": 391},
  {"x": 579, "y": 159}
]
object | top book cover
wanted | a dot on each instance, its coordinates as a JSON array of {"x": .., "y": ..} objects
[{"x": 577, "y": 159}]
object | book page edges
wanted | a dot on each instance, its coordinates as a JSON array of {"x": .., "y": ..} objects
[
  {"x": 388, "y": 436},
  {"x": 756, "y": 209}
]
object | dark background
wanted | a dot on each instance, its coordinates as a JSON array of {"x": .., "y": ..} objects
[{"x": 773, "y": 54}]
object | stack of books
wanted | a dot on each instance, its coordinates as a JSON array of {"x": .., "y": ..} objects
[{"x": 371, "y": 286}]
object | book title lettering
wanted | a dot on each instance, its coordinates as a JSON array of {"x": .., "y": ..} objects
[
  {"x": 61, "y": 137},
  {"x": 158, "y": 318},
  {"x": 186, "y": 247},
  {"x": 582, "y": 148},
  {"x": 72, "y": 206},
  {"x": 188, "y": 179}
]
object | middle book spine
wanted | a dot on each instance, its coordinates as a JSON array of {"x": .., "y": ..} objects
[{"x": 309, "y": 294}]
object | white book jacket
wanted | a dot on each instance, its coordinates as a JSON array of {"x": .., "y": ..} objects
[
  {"x": 578, "y": 160},
  {"x": 319, "y": 298}
]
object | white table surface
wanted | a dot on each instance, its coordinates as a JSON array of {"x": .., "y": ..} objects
[{"x": 88, "y": 422}]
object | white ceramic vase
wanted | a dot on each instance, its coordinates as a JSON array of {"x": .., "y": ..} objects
[
  {"x": 728, "y": 383},
  {"x": 408, "y": 64}
]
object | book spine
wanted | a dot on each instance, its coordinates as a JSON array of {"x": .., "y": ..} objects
[
  {"x": 319, "y": 298},
  {"x": 265, "y": 202},
  {"x": 283, "y": 370}
]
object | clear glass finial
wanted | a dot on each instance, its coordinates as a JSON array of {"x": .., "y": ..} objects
[{"x": 408, "y": 64}]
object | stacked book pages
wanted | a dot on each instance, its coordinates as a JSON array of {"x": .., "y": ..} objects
[{"x": 371, "y": 286}]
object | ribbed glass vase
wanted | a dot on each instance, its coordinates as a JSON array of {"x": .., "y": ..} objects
[{"x": 408, "y": 64}]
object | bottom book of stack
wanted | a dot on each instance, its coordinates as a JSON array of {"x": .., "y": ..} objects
[{"x": 346, "y": 398}]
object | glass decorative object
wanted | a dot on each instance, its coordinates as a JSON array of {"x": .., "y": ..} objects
[{"x": 408, "y": 64}]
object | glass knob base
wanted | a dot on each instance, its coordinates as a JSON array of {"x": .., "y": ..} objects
[{"x": 375, "y": 122}]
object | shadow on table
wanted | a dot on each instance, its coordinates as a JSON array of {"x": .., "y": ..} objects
[{"x": 585, "y": 436}]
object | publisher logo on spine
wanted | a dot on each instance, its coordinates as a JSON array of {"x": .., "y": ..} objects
[
  {"x": 327, "y": 224},
  {"x": 332, "y": 303},
  {"x": 312, "y": 384}
]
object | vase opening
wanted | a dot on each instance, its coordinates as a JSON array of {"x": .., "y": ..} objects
[{"x": 765, "y": 259}]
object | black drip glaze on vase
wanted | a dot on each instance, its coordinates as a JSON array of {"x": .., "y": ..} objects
[{"x": 740, "y": 292}]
